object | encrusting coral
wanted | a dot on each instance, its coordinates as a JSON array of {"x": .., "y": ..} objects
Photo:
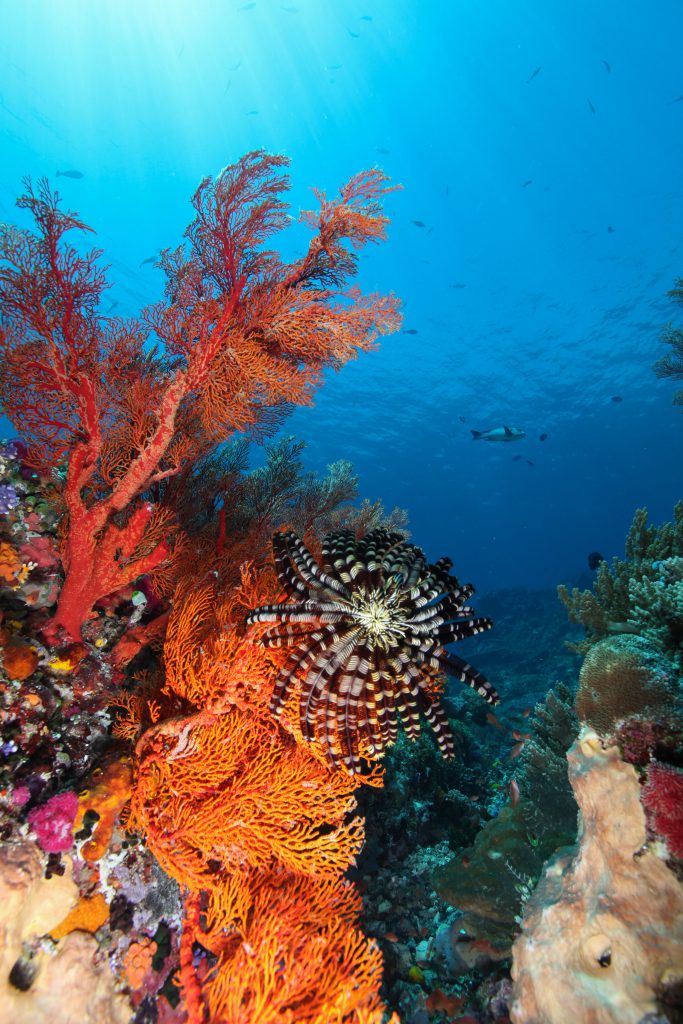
[{"x": 602, "y": 936}]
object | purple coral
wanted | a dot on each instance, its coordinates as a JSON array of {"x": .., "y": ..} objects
[
  {"x": 53, "y": 822},
  {"x": 9, "y": 498}
]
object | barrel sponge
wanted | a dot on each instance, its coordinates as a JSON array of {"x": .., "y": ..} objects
[{"x": 622, "y": 676}]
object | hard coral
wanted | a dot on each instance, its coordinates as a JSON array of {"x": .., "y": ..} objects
[
  {"x": 602, "y": 934},
  {"x": 663, "y": 798},
  {"x": 53, "y": 822},
  {"x": 622, "y": 676}
]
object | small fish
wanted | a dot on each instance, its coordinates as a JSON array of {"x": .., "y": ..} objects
[
  {"x": 418, "y": 223},
  {"x": 412, "y": 330},
  {"x": 679, "y": 99},
  {"x": 526, "y": 712},
  {"x": 462, "y": 419},
  {"x": 516, "y": 458},
  {"x": 533, "y": 74},
  {"x": 594, "y": 560},
  {"x": 514, "y": 792},
  {"x": 465, "y": 861},
  {"x": 291, "y": 10},
  {"x": 617, "y": 398},
  {"x": 150, "y": 259},
  {"x": 366, "y": 17},
  {"x": 607, "y": 66},
  {"x": 517, "y": 750},
  {"x": 529, "y": 462},
  {"x": 494, "y": 721},
  {"x": 113, "y": 305},
  {"x": 333, "y": 67},
  {"x": 354, "y": 35},
  {"x": 542, "y": 437},
  {"x": 70, "y": 174},
  {"x": 457, "y": 284},
  {"x": 251, "y": 113},
  {"x": 529, "y": 181},
  {"x": 517, "y": 735},
  {"x": 590, "y": 106},
  {"x": 610, "y": 229},
  {"x": 384, "y": 152},
  {"x": 498, "y": 434},
  {"x": 391, "y": 937}
]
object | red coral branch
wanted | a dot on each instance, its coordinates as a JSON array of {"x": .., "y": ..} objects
[{"x": 243, "y": 337}]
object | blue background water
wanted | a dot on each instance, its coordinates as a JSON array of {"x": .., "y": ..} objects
[{"x": 530, "y": 311}]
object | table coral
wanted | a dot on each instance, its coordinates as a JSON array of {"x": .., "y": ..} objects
[{"x": 602, "y": 935}]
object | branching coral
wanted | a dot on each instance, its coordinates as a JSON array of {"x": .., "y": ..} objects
[{"x": 629, "y": 596}]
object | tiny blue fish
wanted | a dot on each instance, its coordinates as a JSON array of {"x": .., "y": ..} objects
[{"x": 70, "y": 174}]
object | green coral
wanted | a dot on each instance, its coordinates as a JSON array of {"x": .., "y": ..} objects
[
  {"x": 671, "y": 365},
  {"x": 642, "y": 594},
  {"x": 491, "y": 880}
]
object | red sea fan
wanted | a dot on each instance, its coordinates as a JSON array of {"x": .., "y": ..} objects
[{"x": 663, "y": 799}]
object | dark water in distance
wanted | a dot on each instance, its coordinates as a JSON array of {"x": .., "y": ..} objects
[{"x": 551, "y": 201}]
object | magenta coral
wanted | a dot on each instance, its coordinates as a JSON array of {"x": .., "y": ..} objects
[
  {"x": 663, "y": 798},
  {"x": 53, "y": 822}
]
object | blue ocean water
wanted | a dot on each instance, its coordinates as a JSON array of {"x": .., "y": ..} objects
[{"x": 537, "y": 232}]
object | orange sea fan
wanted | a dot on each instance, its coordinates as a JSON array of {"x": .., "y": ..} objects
[
  {"x": 236, "y": 792},
  {"x": 296, "y": 957}
]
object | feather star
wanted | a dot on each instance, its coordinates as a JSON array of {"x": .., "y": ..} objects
[{"x": 368, "y": 628}]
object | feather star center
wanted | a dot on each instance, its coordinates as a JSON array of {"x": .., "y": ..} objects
[{"x": 380, "y": 616}]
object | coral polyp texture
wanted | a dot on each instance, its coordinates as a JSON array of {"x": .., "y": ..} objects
[{"x": 367, "y": 628}]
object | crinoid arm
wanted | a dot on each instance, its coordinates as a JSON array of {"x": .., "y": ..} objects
[{"x": 366, "y": 630}]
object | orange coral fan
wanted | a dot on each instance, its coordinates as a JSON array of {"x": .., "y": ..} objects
[
  {"x": 110, "y": 788},
  {"x": 252, "y": 820},
  {"x": 297, "y": 954}
]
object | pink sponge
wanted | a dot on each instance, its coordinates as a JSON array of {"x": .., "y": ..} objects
[
  {"x": 663, "y": 798},
  {"x": 52, "y": 823}
]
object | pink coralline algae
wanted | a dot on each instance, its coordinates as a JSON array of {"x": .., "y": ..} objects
[{"x": 53, "y": 822}]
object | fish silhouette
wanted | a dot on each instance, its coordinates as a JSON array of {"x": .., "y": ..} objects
[
  {"x": 70, "y": 174},
  {"x": 533, "y": 74}
]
